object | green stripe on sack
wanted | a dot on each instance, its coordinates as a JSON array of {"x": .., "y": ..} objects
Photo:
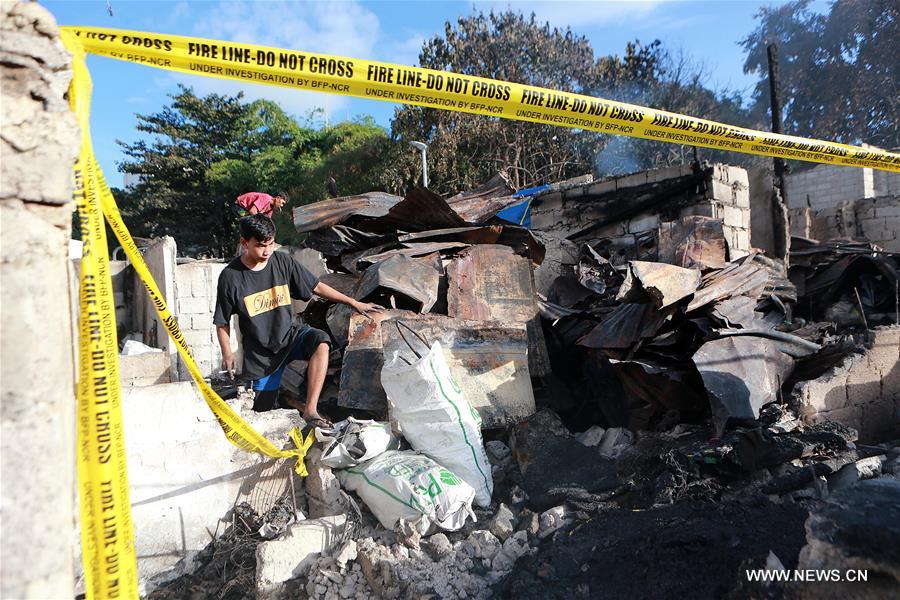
[
  {"x": 459, "y": 420},
  {"x": 412, "y": 499}
]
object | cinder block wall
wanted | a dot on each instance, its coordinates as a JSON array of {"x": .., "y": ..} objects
[
  {"x": 195, "y": 301},
  {"x": 565, "y": 211},
  {"x": 828, "y": 185},
  {"x": 874, "y": 219},
  {"x": 863, "y": 392}
]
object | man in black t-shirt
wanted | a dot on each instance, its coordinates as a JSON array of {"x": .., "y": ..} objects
[{"x": 258, "y": 287}]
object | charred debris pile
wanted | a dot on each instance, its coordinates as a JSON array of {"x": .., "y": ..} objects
[{"x": 637, "y": 417}]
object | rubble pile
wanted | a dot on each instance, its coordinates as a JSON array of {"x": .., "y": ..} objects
[{"x": 639, "y": 416}]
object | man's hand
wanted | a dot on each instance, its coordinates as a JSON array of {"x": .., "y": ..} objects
[
  {"x": 228, "y": 364},
  {"x": 367, "y": 308}
]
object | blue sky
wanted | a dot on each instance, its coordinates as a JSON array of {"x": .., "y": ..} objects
[{"x": 389, "y": 31}]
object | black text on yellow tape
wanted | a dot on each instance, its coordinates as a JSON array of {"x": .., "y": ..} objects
[
  {"x": 108, "y": 553},
  {"x": 436, "y": 89},
  {"x": 107, "y": 535}
]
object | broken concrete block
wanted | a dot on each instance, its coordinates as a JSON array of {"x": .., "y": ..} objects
[
  {"x": 592, "y": 436},
  {"x": 322, "y": 487},
  {"x": 513, "y": 549},
  {"x": 438, "y": 545},
  {"x": 530, "y": 522},
  {"x": 614, "y": 440},
  {"x": 376, "y": 561},
  {"x": 856, "y": 528},
  {"x": 291, "y": 555},
  {"x": 485, "y": 543},
  {"x": 551, "y": 520},
  {"x": 345, "y": 553},
  {"x": 503, "y": 524},
  {"x": 866, "y": 468},
  {"x": 497, "y": 450}
]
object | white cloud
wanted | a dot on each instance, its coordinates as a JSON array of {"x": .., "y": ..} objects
[
  {"x": 579, "y": 15},
  {"x": 339, "y": 28}
]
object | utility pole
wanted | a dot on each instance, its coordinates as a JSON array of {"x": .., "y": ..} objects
[
  {"x": 781, "y": 227},
  {"x": 775, "y": 100}
]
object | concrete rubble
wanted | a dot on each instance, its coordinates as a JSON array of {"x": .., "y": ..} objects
[{"x": 640, "y": 373}]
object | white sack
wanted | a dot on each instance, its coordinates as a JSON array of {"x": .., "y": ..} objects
[
  {"x": 437, "y": 420},
  {"x": 354, "y": 441},
  {"x": 407, "y": 485}
]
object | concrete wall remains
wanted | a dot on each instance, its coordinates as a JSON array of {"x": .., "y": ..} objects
[
  {"x": 196, "y": 283},
  {"x": 185, "y": 477},
  {"x": 568, "y": 209},
  {"x": 827, "y": 186},
  {"x": 37, "y": 443},
  {"x": 863, "y": 392},
  {"x": 874, "y": 219}
]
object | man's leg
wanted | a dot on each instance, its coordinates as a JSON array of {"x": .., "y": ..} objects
[{"x": 315, "y": 379}]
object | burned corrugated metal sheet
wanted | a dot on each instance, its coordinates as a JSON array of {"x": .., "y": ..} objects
[
  {"x": 741, "y": 374},
  {"x": 693, "y": 242},
  {"x": 626, "y": 325},
  {"x": 491, "y": 283},
  {"x": 334, "y": 241},
  {"x": 656, "y": 387},
  {"x": 420, "y": 210},
  {"x": 466, "y": 235},
  {"x": 345, "y": 283},
  {"x": 737, "y": 311},
  {"x": 485, "y": 201},
  {"x": 412, "y": 278},
  {"x": 334, "y": 211},
  {"x": 663, "y": 284},
  {"x": 488, "y": 360},
  {"x": 411, "y": 250},
  {"x": 746, "y": 277}
]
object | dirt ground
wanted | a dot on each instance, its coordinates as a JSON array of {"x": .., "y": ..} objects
[{"x": 686, "y": 550}]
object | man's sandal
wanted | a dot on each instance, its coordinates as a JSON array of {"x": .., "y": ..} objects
[{"x": 320, "y": 422}]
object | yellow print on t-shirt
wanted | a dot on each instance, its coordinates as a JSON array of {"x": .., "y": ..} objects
[{"x": 267, "y": 300}]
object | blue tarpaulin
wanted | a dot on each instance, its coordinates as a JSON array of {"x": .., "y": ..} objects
[{"x": 520, "y": 213}]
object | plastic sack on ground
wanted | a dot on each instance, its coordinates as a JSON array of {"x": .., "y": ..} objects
[
  {"x": 407, "y": 485},
  {"x": 436, "y": 419},
  {"x": 354, "y": 441}
]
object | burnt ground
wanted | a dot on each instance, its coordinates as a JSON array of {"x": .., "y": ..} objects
[{"x": 685, "y": 550}]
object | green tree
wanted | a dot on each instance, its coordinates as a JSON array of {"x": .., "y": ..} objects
[
  {"x": 189, "y": 139},
  {"x": 840, "y": 77},
  {"x": 468, "y": 149},
  {"x": 205, "y": 151},
  {"x": 465, "y": 150}
]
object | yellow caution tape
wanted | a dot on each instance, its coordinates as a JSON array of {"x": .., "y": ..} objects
[
  {"x": 464, "y": 93},
  {"x": 107, "y": 533}
]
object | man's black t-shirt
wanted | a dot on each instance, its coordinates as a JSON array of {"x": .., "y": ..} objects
[{"x": 262, "y": 301}]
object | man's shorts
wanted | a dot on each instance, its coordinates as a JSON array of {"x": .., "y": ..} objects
[{"x": 266, "y": 388}]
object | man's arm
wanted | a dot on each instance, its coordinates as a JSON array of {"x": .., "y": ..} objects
[
  {"x": 223, "y": 332},
  {"x": 329, "y": 293}
]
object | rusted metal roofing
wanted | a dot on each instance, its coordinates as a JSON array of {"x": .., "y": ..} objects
[
  {"x": 491, "y": 283},
  {"x": 335, "y": 211}
]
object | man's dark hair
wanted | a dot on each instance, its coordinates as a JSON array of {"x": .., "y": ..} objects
[
  {"x": 257, "y": 226},
  {"x": 284, "y": 195}
]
